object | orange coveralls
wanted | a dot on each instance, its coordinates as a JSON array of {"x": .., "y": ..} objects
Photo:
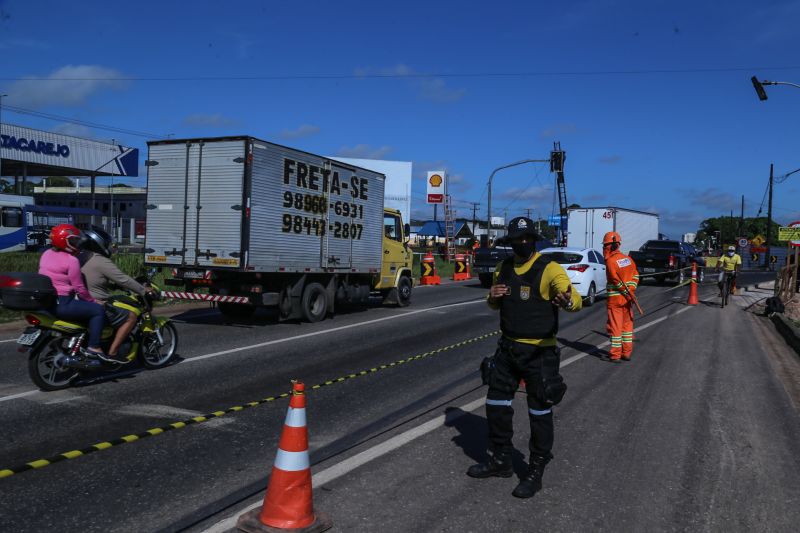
[{"x": 620, "y": 271}]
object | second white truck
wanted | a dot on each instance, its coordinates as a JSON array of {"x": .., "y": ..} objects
[{"x": 587, "y": 225}]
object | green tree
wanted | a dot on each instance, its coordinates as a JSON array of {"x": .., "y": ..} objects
[
  {"x": 58, "y": 181},
  {"x": 730, "y": 231}
]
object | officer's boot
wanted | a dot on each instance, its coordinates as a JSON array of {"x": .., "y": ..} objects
[
  {"x": 499, "y": 464},
  {"x": 532, "y": 482}
]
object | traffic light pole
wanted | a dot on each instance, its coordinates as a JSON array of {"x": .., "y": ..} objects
[{"x": 767, "y": 264}]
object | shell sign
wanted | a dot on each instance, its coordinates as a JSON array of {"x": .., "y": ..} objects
[{"x": 437, "y": 186}]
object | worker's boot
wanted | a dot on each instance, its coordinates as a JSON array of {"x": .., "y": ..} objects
[
  {"x": 532, "y": 482},
  {"x": 499, "y": 464}
]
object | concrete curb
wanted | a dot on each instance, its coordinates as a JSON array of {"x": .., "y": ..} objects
[{"x": 788, "y": 330}]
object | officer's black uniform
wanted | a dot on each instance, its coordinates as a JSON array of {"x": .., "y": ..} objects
[{"x": 527, "y": 351}]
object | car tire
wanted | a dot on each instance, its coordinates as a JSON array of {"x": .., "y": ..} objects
[{"x": 591, "y": 296}]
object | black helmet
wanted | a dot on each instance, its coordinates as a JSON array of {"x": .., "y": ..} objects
[{"x": 98, "y": 241}]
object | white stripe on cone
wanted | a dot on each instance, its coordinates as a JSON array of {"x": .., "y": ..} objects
[
  {"x": 295, "y": 418},
  {"x": 292, "y": 461}
]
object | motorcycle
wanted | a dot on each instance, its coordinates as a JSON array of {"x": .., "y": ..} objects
[{"x": 56, "y": 348}]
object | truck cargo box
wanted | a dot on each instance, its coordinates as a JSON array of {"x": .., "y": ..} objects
[
  {"x": 586, "y": 227},
  {"x": 239, "y": 203}
]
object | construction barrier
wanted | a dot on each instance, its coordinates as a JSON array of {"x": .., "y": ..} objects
[
  {"x": 288, "y": 502},
  {"x": 461, "y": 268},
  {"x": 428, "y": 271},
  {"x": 693, "y": 300}
]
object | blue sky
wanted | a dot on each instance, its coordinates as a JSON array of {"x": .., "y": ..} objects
[{"x": 651, "y": 100}]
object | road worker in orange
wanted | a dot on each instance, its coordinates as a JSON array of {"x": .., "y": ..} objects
[{"x": 622, "y": 280}]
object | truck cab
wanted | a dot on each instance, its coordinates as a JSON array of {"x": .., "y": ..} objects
[{"x": 395, "y": 278}]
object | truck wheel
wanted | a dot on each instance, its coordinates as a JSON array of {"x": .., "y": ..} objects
[
  {"x": 404, "y": 292},
  {"x": 314, "y": 303},
  {"x": 591, "y": 296},
  {"x": 486, "y": 280},
  {"x": 236, "y": 311}
]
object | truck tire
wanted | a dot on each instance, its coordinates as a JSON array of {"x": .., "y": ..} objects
[
  {"x": 486, "y": 280},
  {"x": 236, "y": 311},
  {"x": 404, "y": 292},
  {"x": 314, "y": 303}
]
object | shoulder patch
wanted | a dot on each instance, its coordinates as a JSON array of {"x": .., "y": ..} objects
[{"x": 625, "y": 261}]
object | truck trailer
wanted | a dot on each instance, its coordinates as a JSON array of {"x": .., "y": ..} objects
[
  {"x": 247, "y": 223},
  {"x": 587, "y": 225}
]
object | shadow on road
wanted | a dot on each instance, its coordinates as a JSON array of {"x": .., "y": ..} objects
[{"x": 473, "y": 437}]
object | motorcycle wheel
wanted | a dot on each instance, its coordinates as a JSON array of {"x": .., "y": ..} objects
[
  {"x": 45, "y": 367},
  {"x": 158, "y": 354}
]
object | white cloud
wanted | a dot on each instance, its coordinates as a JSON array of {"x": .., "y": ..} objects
[
  {"x": 305, "y": 130},
  {"x": 215, "y": 120},
  {"x": 610, "y": 160},
  {"x": 427, "y": 87},
  {"x": 70, "y": 85},
  {"x": 76, "y": 130},
  {"x": 421, "y": 168},
  {"x": 711, "y": 198},
  {"x": 364, "y": 151},
  {"x": 557, "y": 130},
  {"x": 531, "y": 194}
]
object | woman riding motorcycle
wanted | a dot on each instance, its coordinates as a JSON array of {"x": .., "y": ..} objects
[
  {"x": 102, "y": 275},
  {"x": 61, "y": 265}
]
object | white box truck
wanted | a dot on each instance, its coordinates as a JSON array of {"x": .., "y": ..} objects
[
  {"x": 587, "y": 225},
  {"x": 254, "y": 224}
]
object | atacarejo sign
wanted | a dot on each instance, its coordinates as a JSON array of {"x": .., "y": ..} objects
[{"x": 31, "y": 145}]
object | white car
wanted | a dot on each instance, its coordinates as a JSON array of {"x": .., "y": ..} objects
[{"x": 585, "y": 268}]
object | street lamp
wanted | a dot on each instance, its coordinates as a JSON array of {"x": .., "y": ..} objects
[
  {"x": 489, "y": 202},
  {"x": 758, "y": 85}
]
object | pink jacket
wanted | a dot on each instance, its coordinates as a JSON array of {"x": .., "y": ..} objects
[{"x": 64, "y": 270}]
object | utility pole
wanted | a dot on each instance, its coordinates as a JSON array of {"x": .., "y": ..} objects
[
  {"x": 767, "y": 264},
  {"x": 741, "y": 220},
  {"x": 474, "y": 211},
  {"x": 528, "y": 213}
]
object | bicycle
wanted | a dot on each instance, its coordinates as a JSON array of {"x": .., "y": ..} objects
[{"x": 725, "y": 283}]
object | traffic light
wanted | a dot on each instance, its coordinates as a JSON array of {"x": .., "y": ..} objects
[
  {"x": 759, "y": 87},
  {"x": 557, "y": 158}
]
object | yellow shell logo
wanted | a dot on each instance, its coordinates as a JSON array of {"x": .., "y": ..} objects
[{"x": 436, "y": 180}]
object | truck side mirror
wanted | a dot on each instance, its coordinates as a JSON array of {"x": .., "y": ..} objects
[{"x": 407, "y": 232}]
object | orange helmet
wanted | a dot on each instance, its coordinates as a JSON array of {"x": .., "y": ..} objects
[
  {"x": 65, "y": 237},
  {"x": 612, "y": 237}
]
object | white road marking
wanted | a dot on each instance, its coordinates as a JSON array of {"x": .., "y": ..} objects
[
  {"x": 348, "y": 465},
  {"x": 289, "y": 339},
  {"x": 326, "y": 331},
  {"x": 171, "y": 412},
  {"x": 9, "y": 340}
]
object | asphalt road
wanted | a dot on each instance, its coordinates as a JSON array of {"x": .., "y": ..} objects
[{"x": 698, "y": 432}]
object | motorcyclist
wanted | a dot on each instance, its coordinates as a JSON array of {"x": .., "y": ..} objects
[
  {"x": 102, "y": 275},
  {"x": 74, "y": 302}
]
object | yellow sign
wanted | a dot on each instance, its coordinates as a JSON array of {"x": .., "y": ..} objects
[
  {"x": 225, "y": 261},
  {"x": 427, "y": 269},
  {"x": 758, "y": 240},
  {"x": 788, "y": 234},
  {"x": 436, "y": 180},
  {"x": 156, "y": 258}
]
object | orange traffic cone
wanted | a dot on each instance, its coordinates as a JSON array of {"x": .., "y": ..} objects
[
  {"x": 288, "y": 501},
  {"x": 693, "y": 287},
  {"x": 461, "y": 268},
  {"x": 428, "y": 275}
]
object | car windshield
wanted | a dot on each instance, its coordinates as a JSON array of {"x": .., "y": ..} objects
[{"x": 564, "y": 258}]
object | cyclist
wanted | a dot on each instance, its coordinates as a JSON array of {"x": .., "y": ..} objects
[
  {"x": 74, "y": 301},
  {"x": 729, "y": 264},
  {"x": 102, "y": 275}
]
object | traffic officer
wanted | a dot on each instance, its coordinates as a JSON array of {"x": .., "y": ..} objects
[
  {"x": 527, "y": 290},
  {"x": 622, "y": 279},
  {"x": 731, "y": 263}
]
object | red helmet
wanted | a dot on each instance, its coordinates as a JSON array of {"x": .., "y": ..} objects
[{"x": 65, "y": 237}]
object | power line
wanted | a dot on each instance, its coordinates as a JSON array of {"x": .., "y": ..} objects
[
  {"x": 357, "y": 76},
  {"x": 96, "y": 125}
]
